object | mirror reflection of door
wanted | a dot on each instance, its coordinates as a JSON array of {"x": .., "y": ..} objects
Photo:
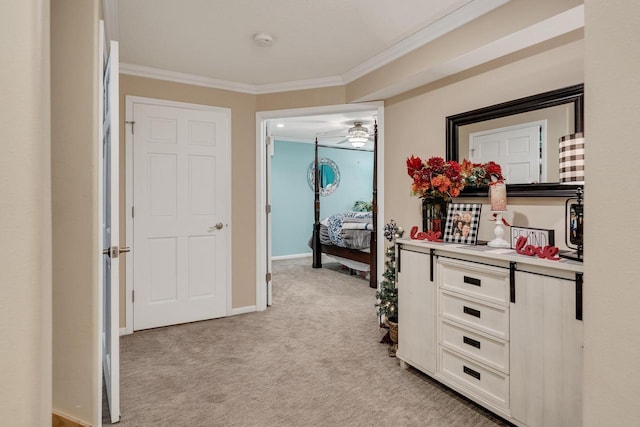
[{"x": 519, "y": 150}]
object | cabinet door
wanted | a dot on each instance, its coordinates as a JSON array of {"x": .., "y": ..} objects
[
  {"x": 416, "y": 311},
  {"x": 546, "y": 352}
]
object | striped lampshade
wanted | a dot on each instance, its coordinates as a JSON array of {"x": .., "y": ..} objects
[{"x": 572, "y": 159}]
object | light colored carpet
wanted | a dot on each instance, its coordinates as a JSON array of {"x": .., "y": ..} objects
[{"x": 312, "y": 359}]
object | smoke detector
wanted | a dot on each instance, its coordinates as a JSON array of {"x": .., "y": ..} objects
[{"x": 263, "y": 39}]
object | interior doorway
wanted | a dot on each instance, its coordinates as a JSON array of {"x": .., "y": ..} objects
[{"x": 266, "y": 120}]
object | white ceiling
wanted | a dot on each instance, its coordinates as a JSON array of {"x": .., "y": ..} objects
[
  {"x": 312, "y": 39},
  {"x": 317, "y": 43}
]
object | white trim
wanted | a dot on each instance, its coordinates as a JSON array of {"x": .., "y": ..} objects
[
  {"x": 299, "y": 85},
  {"x": 129, "y": 104},
  {"x": 243, "y": 310},
  {"x": 261, "y": 196},
  {"x": 125, "y": 331},
  {"x": 98, "y": 377},
  {"x": 455, "y": 17},
  {"x": 190, "y": 79},
  {"x": 294, "y": 256}
]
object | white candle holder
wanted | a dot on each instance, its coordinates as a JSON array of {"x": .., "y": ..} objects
[{"x": 498, "y": 242}]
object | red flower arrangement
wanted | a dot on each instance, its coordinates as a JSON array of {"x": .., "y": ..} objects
[{"x": 437, "y": 178}]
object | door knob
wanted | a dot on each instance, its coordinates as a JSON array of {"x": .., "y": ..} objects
[
  {"x": 114, "y": 251},
  {"x": 218, "y": 226}
]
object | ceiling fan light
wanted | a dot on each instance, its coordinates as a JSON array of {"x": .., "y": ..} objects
[
  {"x": 358, "y": 142},
  {"x": 358, "y": 135}
]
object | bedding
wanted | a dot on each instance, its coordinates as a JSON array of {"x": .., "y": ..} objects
[{"x": 348, "y": 230}]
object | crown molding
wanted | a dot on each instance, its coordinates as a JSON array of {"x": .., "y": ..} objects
[
  {"x": 563, "y": 23},
  {"x": 174, "y": 76},
  {"x": 467, "y": 12},
  {"x": 299, "y": 85},
  {"x": 190, "y": 79}
]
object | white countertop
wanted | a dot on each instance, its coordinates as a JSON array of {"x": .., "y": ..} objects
[{"x": 498, "y": 254}]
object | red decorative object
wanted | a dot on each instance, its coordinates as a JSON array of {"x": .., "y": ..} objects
[
  {"x": 432, "y": 236},
  {"x": 548, "y": 252},
  {"x": 495, "y": 216}
]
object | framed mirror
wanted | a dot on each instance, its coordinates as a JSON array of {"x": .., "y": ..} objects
[
  {"x": 329, "y": 176},
  {"x": 546, "y": 117}
]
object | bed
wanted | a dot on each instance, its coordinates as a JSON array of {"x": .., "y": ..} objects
[{"x": 357, "y": 256}]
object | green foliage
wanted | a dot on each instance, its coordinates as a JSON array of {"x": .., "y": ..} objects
[
  {"x": 362, "y": 206},
  {"x": 387, "y": 296}
]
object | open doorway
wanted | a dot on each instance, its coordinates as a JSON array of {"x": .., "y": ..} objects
[{"x": 330, "y": 124}]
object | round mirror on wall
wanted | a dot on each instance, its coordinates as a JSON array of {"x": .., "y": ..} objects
[{"x": 329, "y": 176}]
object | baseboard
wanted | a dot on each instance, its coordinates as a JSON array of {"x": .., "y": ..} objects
[
  {"x": 243, "y": 310},
  {"x": 59, "y": 420},
  {"x": 294, "y": 256},
  {"x": 125, "y": 331}
]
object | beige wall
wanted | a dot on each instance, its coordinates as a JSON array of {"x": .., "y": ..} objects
[
  {"x": 415, "y": 124},
  {"x": 25, "y": 214},
  {"x": 243, "y": 174},
  {"x": 612, "y": 291},
  {"x": 74, "y": 145},
  {"x": 243, "y": 154},
  {"x": 513, "y": 16}
]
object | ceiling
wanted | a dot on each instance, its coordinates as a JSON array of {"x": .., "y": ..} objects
[
  {"x": 315, "y": 44},
  {"x": 312, "y": 40}
]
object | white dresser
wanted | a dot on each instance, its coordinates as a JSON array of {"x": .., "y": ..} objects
[{"x": 503, "y": 329}]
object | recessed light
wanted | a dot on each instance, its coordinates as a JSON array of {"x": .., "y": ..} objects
[{"x": 280, "y": 125}]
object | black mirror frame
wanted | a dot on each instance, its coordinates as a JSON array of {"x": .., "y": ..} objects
[{"x": 571, "y": 94}]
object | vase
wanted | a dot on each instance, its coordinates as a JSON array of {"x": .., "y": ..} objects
[
  {"x": 434, "y": 213},
  {"x": 393, "y": 335}
]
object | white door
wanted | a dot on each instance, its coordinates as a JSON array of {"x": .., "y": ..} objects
[
  {"x": 181, "y": 201},
  {"x": 109, "y": 199},
  {"x": 518, "y": 149}
]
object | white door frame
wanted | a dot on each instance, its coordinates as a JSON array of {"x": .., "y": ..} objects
[
  {"x": 261, "y": 193},
  {"x": 129, "y": 104}
]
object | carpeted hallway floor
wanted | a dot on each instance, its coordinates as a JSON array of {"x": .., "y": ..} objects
[{"x": 312, "y": 359}]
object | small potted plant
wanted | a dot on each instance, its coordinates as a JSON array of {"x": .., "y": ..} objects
[{"x": 387, "y": 295}]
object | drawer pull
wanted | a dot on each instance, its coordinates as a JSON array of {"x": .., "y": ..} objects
[
  {"x": 471, "y": 342},
  {"x": 471, "y": 372},
  {"x": 471, "y": 311},
  {"x": 472, "y": 281}
]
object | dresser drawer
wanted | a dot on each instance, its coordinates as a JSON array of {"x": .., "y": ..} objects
[
  {"x": 490, "y": 318},
  {"x": 491, "y": 352},
  {"x": 490, "y": 386},
  {"x": 476, "y": 280}
]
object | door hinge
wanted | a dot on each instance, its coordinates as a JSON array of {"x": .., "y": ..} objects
[
  {"x": 133, "y": 296},
  {"x": 132, "y": 211},
  {"x": 267, "y": 277},
  {"x": 267, "y": 209},
  {"x": 267, "y": 140},
  {"x": 132, "y": 123}
]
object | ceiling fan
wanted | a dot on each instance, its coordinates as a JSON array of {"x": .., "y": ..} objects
[{"x": 357, "y": 135}]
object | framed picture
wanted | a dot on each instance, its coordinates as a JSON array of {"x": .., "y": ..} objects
[{"x": 463, "y": 221}]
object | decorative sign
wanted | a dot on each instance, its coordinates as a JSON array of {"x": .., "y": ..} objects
[
  {"x": 548, "y": 252},
  {"x": 535, "y": 236},
  {"x": 432, "y": 236}
]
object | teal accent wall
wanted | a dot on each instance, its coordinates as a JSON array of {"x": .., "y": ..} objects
[{"x": 292, "y": 199}]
